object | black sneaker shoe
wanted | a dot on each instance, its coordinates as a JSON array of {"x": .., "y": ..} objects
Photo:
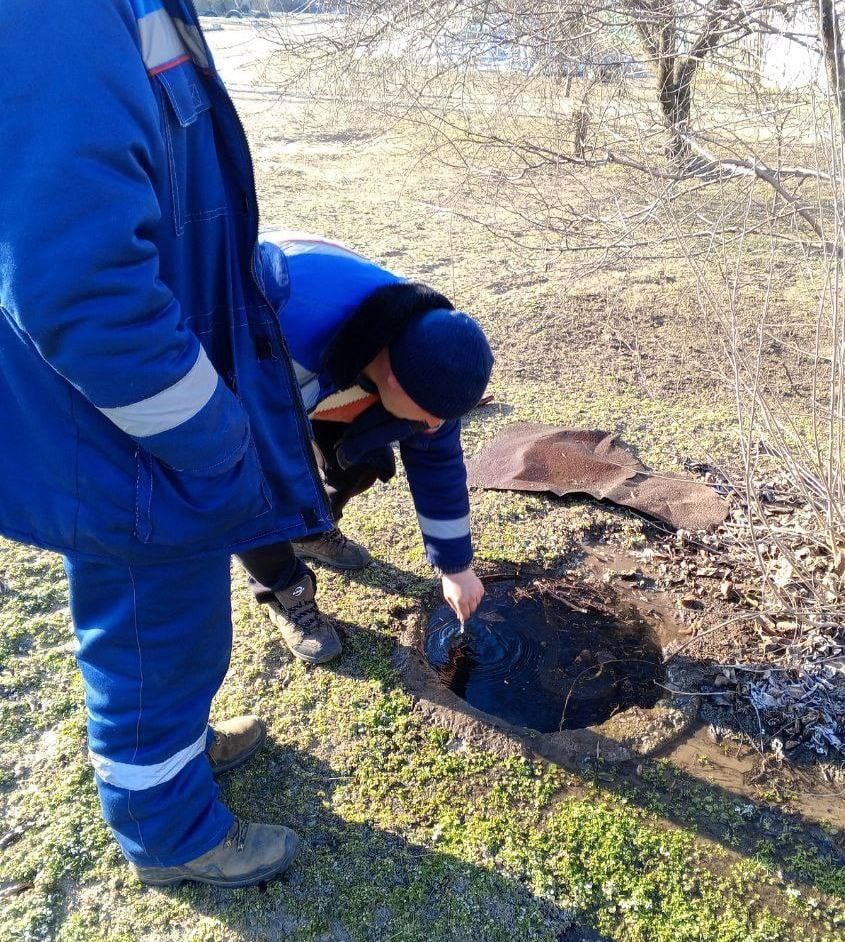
[
  {"x": 309, "y": 635},
  {"x": 249, "y": 854},
  {"x": 333, "y": 549}
]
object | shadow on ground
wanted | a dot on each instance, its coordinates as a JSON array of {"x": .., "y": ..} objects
[{"x": 353, "y": 881}]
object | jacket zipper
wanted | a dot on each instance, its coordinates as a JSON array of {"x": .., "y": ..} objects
[{"x": 252, "y": 203}]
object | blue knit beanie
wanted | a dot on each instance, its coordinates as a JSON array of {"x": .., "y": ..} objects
[{"x": 443, "y": 361}]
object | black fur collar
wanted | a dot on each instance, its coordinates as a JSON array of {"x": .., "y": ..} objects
[{"x": 374, "y": 324}]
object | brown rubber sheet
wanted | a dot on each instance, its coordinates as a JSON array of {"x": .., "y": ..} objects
[{"x": 528, "y": 457}]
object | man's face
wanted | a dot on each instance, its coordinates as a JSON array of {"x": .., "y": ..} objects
[{"x": 399, "y": 403}]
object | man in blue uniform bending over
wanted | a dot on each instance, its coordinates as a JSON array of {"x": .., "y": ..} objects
[{"x": 378, "y": 360}]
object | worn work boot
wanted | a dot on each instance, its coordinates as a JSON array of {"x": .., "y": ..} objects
[
  {"x": 249, "y": 854},
  {"x": 333, "y": 549},
  {"x": 235, "y": 741},
  {"x": 309, "y": 635}
]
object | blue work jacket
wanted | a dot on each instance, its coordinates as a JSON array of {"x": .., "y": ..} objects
[
  {"x": 149, "y": 406},
  {"x": 337, "y": 309}
]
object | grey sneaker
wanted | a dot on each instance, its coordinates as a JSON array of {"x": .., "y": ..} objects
[
  {"x": 249, "y": 854},
  {"x": 333, "y": 549},
  {"x": 309, "y": 635}
]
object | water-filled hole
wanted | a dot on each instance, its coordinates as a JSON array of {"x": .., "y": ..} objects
[{"x": 528, "y": 658}]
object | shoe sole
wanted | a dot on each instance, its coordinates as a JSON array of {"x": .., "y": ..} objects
[
  {"x": 261, "y": 877},
  {"x": 318, "y": 659},
  {"x": 330, "y": 561},
  {"x": 245, "y": 757}
]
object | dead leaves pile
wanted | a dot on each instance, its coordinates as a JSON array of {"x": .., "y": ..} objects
[{"x": 772, "y": 576}]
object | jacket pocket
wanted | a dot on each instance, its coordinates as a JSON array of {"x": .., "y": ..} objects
[
  {"x": 174, "y": 508},
  {"x": 196, "y": 182}
]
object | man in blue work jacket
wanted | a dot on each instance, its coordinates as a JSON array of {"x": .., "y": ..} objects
[
  {"x": 379, "y": 360},
  {"x": 152, "y": 421},
  {"x": 152, "y": 418}
]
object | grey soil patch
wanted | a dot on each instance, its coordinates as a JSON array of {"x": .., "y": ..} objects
[{"x": 598, "y": 595}]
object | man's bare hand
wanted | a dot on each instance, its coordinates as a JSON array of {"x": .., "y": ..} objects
[{"x": 463, "y": 591}]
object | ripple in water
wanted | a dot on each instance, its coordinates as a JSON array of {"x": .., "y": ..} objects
[{"x": 535, "y": 663}]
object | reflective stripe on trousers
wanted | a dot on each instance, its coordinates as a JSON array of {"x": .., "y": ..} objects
[{"x": 154, "y": 646}]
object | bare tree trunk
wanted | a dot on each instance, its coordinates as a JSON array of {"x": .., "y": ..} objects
[
  {"x": 831, "y": 36},
  {"x": 657, "y": 23},
  {"x": 674, "y": 81},
  {"x": 674, "y": 91},
  {"x": 581, "y": 123}
]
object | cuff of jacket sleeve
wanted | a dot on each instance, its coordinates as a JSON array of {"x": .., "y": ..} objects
[
  {"x": 449, "y": 571},
  {"x": 449, "y": 556},
  {"x": 211, "y": 441}
]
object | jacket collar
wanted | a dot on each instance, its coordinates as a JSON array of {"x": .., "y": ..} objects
[{"x": 377, "y": 321}]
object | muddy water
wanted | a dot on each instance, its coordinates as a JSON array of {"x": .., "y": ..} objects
[{"x": 534, "y": 662}]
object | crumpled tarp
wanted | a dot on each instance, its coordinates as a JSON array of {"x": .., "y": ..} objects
[{"x": 529, "y": 457}]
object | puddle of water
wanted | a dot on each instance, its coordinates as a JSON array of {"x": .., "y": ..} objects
[
  {"x": 735, "y": 768},
  {"x": 532, "y": 661}
]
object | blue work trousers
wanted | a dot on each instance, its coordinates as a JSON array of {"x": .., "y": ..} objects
[{"x": 154, "y": 647}]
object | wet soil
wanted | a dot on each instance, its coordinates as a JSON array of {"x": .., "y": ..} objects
[
  {"x": 612, "y": 599},
  {"x": 527, "y": 657},
  {"x": 579, "y": 673}
]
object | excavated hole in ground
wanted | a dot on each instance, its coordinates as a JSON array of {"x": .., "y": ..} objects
[
  {"x": 530, "y": 659},
  {"x": 581, "y": 671}
]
